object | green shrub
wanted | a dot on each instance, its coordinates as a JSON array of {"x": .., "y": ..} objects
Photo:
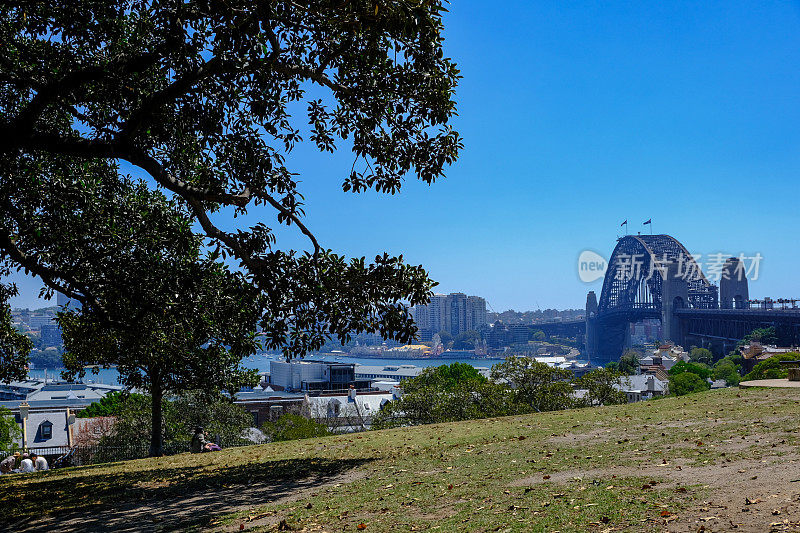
[
  {"x": 293, "y": 427},
  {"x": 771, "y": 368}
]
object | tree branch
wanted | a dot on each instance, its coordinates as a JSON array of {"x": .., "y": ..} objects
[
  {"x": 170, "y": 182},
  {"x": 26, "y": 119},
  {"x": 56, "y": 144},
  {"x": 294, "y": 218},
  {"x": 169, "y": 93},
  {"x": 48, "y": 275},
  {"x": 215, "y": 233}
]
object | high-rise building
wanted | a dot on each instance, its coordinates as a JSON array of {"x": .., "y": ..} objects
[
  {"x": 476, "y": 313},
  {"x": 51, "y": 335},
  {"x": 454, "y": 313}
]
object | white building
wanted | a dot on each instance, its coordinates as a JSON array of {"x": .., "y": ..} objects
[
  {"x": 642, "y": 387},
  {"x": 50, "y": 404},
  {"x": 347, "y": 412},
  {"x": 300, "y": 375}
]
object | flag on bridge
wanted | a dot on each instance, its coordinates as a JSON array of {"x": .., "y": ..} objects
[
  {"x": 626, "y": 221},
  {"x": 649, "y": 221}
]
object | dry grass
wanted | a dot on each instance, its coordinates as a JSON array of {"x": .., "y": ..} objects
[{"x": 677, "y": 463}]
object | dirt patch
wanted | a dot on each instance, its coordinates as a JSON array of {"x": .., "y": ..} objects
[{"x": 758, "y": 495}]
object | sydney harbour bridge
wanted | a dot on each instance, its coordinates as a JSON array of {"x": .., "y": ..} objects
[{"x": 655, "y": 277}]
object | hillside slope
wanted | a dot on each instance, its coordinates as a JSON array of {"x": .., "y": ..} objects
[{"x": 717, "y": 460}]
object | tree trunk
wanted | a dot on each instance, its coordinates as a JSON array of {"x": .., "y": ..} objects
[{"x": 156, "y": 435}]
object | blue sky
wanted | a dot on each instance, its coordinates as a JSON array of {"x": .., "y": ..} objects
[{"x": 576, "y": 116}]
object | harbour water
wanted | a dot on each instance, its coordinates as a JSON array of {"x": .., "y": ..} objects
[{"x": 261, "y": 362}]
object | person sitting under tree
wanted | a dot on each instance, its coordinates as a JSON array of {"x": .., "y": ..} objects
[{"x": 200, "y": 443}]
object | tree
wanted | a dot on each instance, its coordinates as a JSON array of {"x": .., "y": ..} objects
[
  {"x": 15, "y": 348},
  {"x": 602, "y": 387},
  {"x": 535, "y": 385},
  {"x": 10, "y": 432},
  {"x": 109, "y": 405},
  {"x": 539, "y": 335},
  {"x": 687, "y": 383},
  {"x": 698, "y": 369},
  {"x": 728, "y": 371},
  {"x": 771, "y": 368},
  {"x": 443, "y": 394},
  {"x": 446, "y": 338},
  {"x": 196, "y": 321},
  {"x": 629, "y": 362},
  {"x": 762, "y": 335},
  {"x": 199, "y": 97},
  {"x": 445, "y": 377},
  {"x": 467, "y": 340},
  {"x": 701, "y": 355}
]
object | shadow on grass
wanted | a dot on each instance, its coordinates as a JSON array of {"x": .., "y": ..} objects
[{"x": 146, "y": 500}]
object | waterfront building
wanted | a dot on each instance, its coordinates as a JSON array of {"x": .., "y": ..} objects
[
  {"x": 304, "y": 375},
  {"x": 387, "y": 372}
]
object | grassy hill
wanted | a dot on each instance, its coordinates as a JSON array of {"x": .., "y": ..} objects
[{"x": 712, "y": 461}]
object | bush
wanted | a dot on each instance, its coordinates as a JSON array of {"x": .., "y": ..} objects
[
  {"x": 292, "y": 427},
  {"x": 687, "y": 383}
]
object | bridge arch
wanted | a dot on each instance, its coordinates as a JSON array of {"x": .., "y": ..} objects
[
  {"x": 642, "y": 271},
  {"x": 635, "y": 275}
]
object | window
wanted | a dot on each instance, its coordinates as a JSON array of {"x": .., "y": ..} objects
[{"x": 46, "y": 430}]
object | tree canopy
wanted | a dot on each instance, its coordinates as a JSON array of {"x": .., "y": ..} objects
[
  {"x": 698, "y": 369},
  {"x": 629, "y": 362},
  {"x": 536, "y": 385},
  {"x": 10, "y": 432},
  {"x": 602, "y": 386},
  {"x": 200, "y": 100},
  {"x": 15, "y": 348},
  {"x": 762, "y": 335},
  {"x": 687, "y": 383},
  {"x": 443, "y": 394},
  {"x": 701, "y": 355}
]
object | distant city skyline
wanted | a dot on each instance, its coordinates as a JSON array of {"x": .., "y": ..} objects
[{"x": 576, "y": 117}]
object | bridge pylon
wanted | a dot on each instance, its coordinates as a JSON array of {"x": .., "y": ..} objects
[
  {"x": 733, "y": 288},
  {"x": 674, "y": 295},
  {"x": 591, "y": 326}
]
